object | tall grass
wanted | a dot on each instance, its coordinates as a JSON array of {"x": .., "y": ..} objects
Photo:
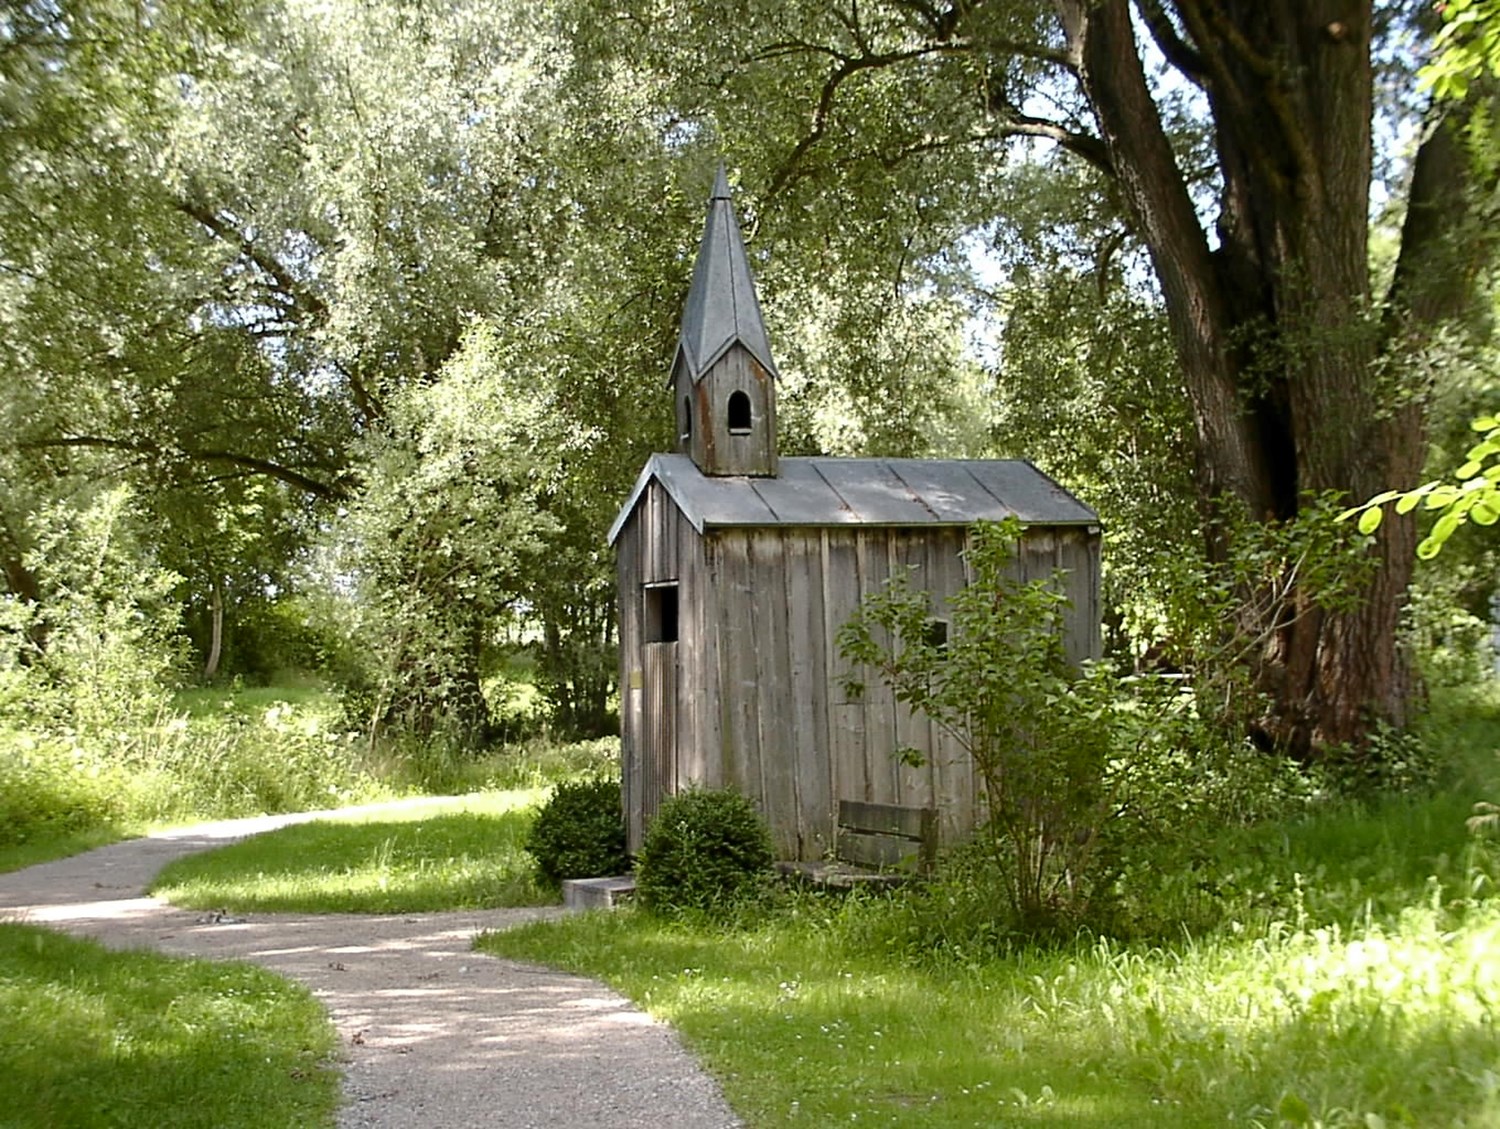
[{"x": 222, "y": 753}]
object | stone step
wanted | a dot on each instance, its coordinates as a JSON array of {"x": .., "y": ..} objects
[{"x": 597, "y": 893}]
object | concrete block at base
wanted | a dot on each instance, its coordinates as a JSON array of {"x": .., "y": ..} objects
[{"x": 596, "y": 893}]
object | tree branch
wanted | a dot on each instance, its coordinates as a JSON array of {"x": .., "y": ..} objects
[
  {"x": 283, "y": 280},
  {"x": 335, "y": 491},
  {"x": 1445, "y": 240},
  {"x": 1013, "y": 123},
  {"x": 1172, "y": 46}
]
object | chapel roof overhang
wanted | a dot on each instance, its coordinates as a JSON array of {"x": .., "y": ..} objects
[{"x": 870, "y": 492}]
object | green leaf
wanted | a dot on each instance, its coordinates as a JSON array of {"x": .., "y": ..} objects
[
  {"x": 1429, "y": 549},
  {"x": 1408, "y": 502},
  {"x": 1486, "y": 511},
  {"x": 1445, "y": 527},
  {"x": 1485, "y": 423},
  {"x": 1369, "y": 521},
  {"x": 1468, "y": 470}
]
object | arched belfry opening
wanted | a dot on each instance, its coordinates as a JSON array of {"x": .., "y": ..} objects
[
  {"x": 738, "y": 413},
  {"x": 723, "y": 373}
]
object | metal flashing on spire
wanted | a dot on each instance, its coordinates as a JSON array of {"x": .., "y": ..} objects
[
  {"x": 721, "y": 184},
  {"x": 722, "y": 308}
]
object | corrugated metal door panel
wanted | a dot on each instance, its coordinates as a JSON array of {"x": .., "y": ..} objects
[{"x": 659, "y": 738}]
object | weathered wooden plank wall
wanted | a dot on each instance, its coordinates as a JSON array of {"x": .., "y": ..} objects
[
  {"x": 629, "y": 554},
  {"x": 751, "y": 695}
]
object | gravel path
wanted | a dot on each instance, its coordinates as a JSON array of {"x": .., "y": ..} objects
[{"x": 435, "y": 1036}]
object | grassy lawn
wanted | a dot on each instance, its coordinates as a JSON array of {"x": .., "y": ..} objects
[
  {"x": 1388, "y": 1024},
  {"x": 99, "y": 1038},
  {"x": 459, "y": 854},
  {"x": 1353, "y": 979},
  {"x": 63, "y": 844}
]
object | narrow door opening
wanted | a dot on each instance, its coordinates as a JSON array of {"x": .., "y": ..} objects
[{"x": 661, "y": 612}]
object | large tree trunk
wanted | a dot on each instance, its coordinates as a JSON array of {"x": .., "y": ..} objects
[{"x": 1283, "y": 356}]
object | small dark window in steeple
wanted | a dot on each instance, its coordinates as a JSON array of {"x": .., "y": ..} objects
[
  {"x": 687, "y": 418},
  {"x": 739, "y": 413}
]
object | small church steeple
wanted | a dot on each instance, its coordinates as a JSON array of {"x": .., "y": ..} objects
[{"x": 723, "y": 377}]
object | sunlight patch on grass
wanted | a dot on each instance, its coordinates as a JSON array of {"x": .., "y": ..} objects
[
  {"x": 93, "y": 1037},
  {"x": 1396, "y": 1023},
  {"x": 465, "y": 853}
]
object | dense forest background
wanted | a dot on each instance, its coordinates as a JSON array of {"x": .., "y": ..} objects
[{"x": 334, "y": 333}]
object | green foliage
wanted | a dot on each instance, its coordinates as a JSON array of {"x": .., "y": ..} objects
[
  {"x": 1466, "y": 48},
  {"x": 1473, "y": 495},
  {"x": 441, "y": 537},
  {"x": 95, "y": 1037},
  {"x": 580, "y": 832},
  {"x": 1035, "y": 728},
  {"x": 1220, "y": 621},
  {"x": 705, "y": 852},
  {"x": 98, "y": 653},
  {"x": 49, "y": 789}
]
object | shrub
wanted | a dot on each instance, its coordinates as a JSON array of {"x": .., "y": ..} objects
[
  {"x": 1036, "y": 728},
  {"x": 48, "y": 788},
  {"x": 706, "y": 851},
  {"x": 580, "y": 832}
]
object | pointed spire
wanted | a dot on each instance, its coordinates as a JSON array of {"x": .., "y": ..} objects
[{"x": 721, "y": 306}]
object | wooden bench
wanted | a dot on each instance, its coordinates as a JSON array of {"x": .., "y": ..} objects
[{"x": 877, "y": 844}]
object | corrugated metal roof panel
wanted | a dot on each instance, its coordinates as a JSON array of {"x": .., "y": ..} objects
[
  {"x": 872, "y": 491},
  {"x": 799, "y": 495},
  {"x": 949, "y": 490},
  {"x": 824, "y": 491},
  {"x": 1030, "y": 493}
]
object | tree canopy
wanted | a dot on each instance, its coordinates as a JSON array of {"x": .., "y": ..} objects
[{"x": 333, "y": 274}]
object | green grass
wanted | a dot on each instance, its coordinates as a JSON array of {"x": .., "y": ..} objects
[
  {"x": 460, "y": 854},
  {"x": 248, "y": 701},
  {"x": 63, "y": 844},
  {"x": 1352, "y": 979},
  {"x": 1393, "y": 1022},
  {"x": 98, "y": 1038}
]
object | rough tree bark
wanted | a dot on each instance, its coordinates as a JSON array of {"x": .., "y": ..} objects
[{"x": 1283, "y": 355}]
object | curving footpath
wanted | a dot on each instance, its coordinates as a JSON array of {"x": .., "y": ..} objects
[{"x": 434, "y": 1034}]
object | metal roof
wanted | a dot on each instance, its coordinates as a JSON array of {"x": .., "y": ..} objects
[
  {"x": 721, "y": 305},
  {"x": 830, "y": 491}
]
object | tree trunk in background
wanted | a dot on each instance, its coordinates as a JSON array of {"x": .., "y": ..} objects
[
  {"x": 216, "y": 631},
  {"x": 1295, "y": 382}
]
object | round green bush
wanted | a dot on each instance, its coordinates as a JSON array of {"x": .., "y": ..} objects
[
  {"x": 704, "y": 851},
  {"x": 580, "y": 832}
]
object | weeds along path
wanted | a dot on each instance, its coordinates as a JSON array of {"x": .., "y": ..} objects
[{"x": 434, "y": 1035}]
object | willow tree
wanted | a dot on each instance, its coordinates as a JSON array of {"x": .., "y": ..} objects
[{"x": 1236, "y": 137}]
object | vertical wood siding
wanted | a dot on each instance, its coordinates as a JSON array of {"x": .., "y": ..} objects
[{"x": 751, "y": 697}]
